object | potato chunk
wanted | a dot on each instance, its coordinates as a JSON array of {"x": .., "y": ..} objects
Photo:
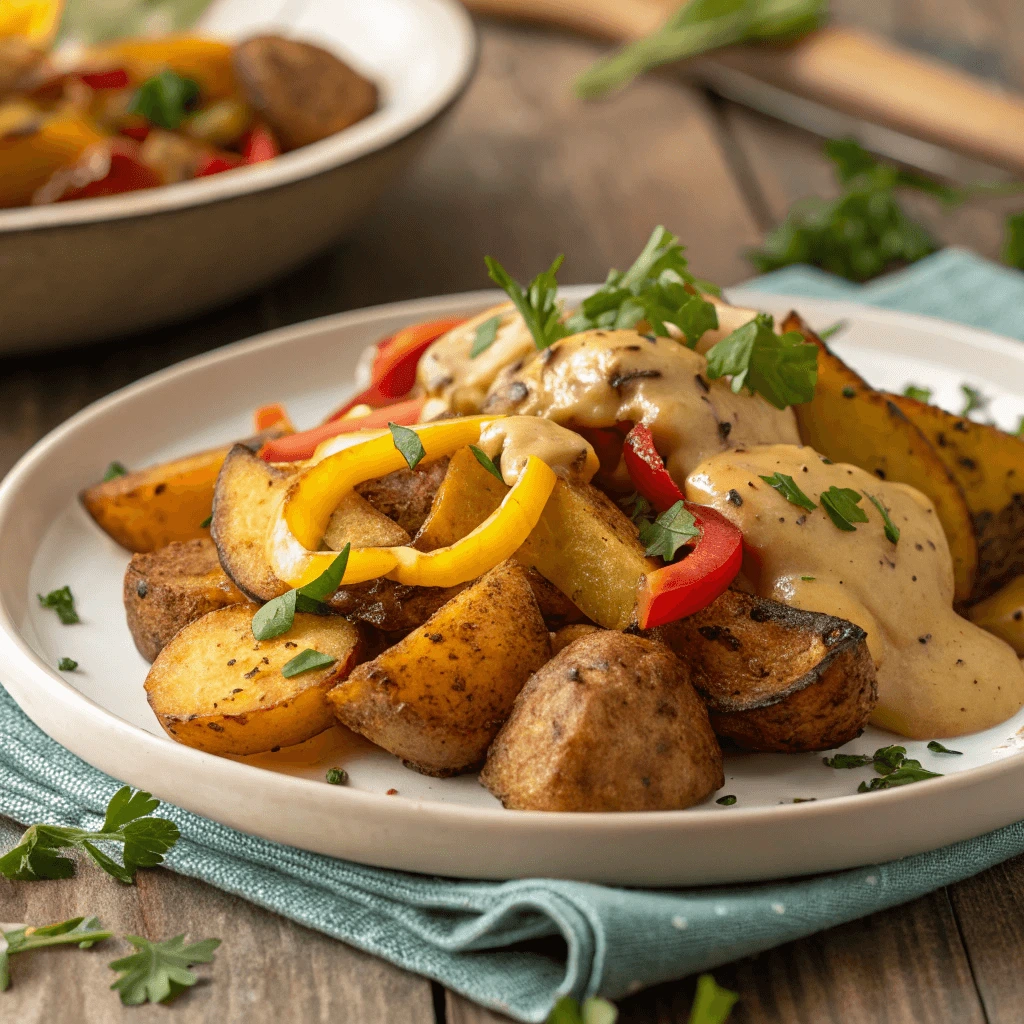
[
  {"x": 167, "y": 589},
  {"x": 611, "y": 723},
  {"x": 437, "y": 698},
  {"x": 216, "y": 688},
  {"x": 775, "y": 677}
]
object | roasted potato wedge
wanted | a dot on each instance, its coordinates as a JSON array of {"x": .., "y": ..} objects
[
  {"x": 216, "y": 688},
  {"x": 611, "y": 723},
  {"x": 1003, "y": 614},
  {"x": 406, "y": 495},
  {"x": 583, "y": 543},
  {"x": 437, "y": 698},
  {"x": 776, "y": 678},
  {"x": 988, "y": 464},
  {"x": 848, "y": 421},
  {"x": 355, "y": 521},
  {"x": 167, "y": 589}
]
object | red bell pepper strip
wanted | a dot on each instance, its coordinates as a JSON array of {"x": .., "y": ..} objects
[
  {"x": 117, "y": 78},
  {"x": 126, "y": 174},
  {"x": 302, "y": 446},
  {"x": 259, "y": 145},
  {"x": 267, "y": 416},
  {"x": 704, "y": 575},
  {"x": 138, "y": 132},
  {"x": 215, "y": 163},
  {"x": 394, "y": 367}
]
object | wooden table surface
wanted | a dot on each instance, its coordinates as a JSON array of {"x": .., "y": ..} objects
[{"x": 523, "y": 172}]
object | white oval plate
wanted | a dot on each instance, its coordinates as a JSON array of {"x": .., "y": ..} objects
[{"x": 448, "y": 826}]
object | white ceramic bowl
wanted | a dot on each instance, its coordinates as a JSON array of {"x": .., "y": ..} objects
[{"x": 74, "y": 272}]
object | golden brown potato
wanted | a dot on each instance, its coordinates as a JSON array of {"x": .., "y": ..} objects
[
  {"x": 848, "y": 421},
  {"x": 216, "y": 688},
  {"x": 302, "y": 91},
  {"x": 775, "y": 677},
  {"x": 609, "y": 724},
  {"x": 1003, "y": 614},
  {"x": 437, "y": 698},
  {"x": 988, "y": 464},
  {"x": 583, "y": 543},
  {"x": 165, "y": 590},
  {"x": 406, "y": 495},
  {"x": 355, "y": 521}
]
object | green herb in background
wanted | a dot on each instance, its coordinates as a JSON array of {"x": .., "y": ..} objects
[
  {"x": 63, "y": 603},
  {"x": 919, "y": 394},
  {"x": 712, "y": 1004},
  {"x": 826, "y": 332},
  {"x": 669, "y": 532},
  {"x": 114, "y": 470},
  {"x": 165, "y": 99},
  {"x": 593, "y": 1011},
  {"x": 484, "y": 337},
  {"x": 538, "y": 305},
  {"x": 144, "y": 841},
  {"x": 157, "y": 971},
  {"x": 408, "y": 442},
  {"x": 82, "y": 932},
  {"x": 699, "y": 27},
  {"x": 974, "y": 400},
  {"x": 1013, "y": 247}
]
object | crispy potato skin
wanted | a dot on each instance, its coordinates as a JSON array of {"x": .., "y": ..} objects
[
  {"x": 776, "y": 678},
  {"x": 1002, "y": 614},
  {"x": 165, "y": 590},
  {"x": 849, "y": 421},
  {"x": 216, "y": 688},
  {"x": 304, "y": 92},
  {"x": 611, "y": 723},
  {"x": 438, "y": 697}
]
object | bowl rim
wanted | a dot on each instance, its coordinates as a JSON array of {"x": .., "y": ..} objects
[{"x": 377, "y": 132}]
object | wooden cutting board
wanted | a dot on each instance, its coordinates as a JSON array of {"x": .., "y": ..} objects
[{"x": 847, "y": 69}]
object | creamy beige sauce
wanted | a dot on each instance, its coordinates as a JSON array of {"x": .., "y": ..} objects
[
  {"x": 513, "y": 439},
  {"x": 730, "y": 318},
  {"x": 938, "y": 674},
  {"x": 448, "y": 374},
  {"x": 599, "y": 378}
]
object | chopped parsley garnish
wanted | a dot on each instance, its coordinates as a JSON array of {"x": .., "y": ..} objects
[
  {"x": 669, "y": 532},
  {"x": 486, "y": 461},
  {"x": 909, "y": 771},
  {"x": 783, "y": 368},
  {"x": 114, "y": 470},
  {"x": 786, "y": 486},
  {"x": 278, "y": 616},
  {"x": 539, "y": 305},
  {"x": 67, "y": 665},
  {"x": 164, "y": 99},
  {"x": 892, "y": 531},
  {"x": 726, "y": 801},
  {"x": 63, "y": 603},
  {"x": 144, "y": 839},
  {"x": 808, "y": 579},
  {"x": 205, "y": 524},
  {"x": 484, "y": 337},
  {"x": 974, "y": 400},
  {"x": 157, "y": 971},
  {"x": 408, "y": 442},
  {"x": 337, "y": 776},
  {"x": 841, "y": 504},
  {"x": 82, "y": 932},
  {"x": 891, "y": 764},
  {"x": 641, "y": 508},
  {"x": 847, "y": 760},
  {"x": 937, "y": 748},
  {"x": 306, "y": 661},
  {"x": 887, "y": 759},
  {"x": 919, "y": 394},
  {"x": 826, "y": 332}
]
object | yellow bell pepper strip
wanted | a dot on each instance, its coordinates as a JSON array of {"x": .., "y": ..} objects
[
  {"x": 34, "y": 20},
  {"x": 206, "y": 61}
]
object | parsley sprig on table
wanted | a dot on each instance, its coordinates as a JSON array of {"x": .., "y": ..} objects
[
  {"x": 144, "y": 840},
  {"x": 157, "y": 971},
  {"x": 82, "y": 932}
]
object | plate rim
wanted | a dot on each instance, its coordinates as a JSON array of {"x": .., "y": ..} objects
[{"x": 21, "y": 661}]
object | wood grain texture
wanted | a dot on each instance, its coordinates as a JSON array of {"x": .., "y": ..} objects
[{"x": 459, "y": 1010}]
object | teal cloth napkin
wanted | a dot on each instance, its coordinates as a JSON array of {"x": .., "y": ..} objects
[{"x": 616, "y": 940}]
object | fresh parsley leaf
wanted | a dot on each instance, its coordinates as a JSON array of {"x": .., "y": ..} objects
[
  {"x": 808, "y": 579},
  {"x": 892, "y": 531},
  {"x": 83, "y": 932},
  {"x": 205, "y": 524},
  {"x": 306, "y": 661},
  {"x": 408, "y": 442},
  {"x": 144, "y": 841},
  {"x": 114, "y": 470},
  {"x": 887, "y": 759},
  {"x": 539, "y": 305},
  {"x": 726, "y": 801},
  {"x": 63, "y": 603},
  {"x": 484, "y": 337},
  {"x": 918, "y": 393},
  {"x": 974, "y": 400},
  {"x": 781, "y": 368},
  {"x": 1013, "y": 246},
  {"x": 826, "y": 332},
  {"x": 669, "y": 532},
  {"x": 337, "y": 776},
  {"x": 841, "y": 504},
  {"x": 711, "y": 1003},
  {"x": 67, "y": 665},
  {"x": 486, "y": 461},
  {"x": 164, "y": 99},
  {"x": 278, "y": 616},
  {"x": 937, "y": 748},
  {"x": 901, "y": 776},
  {"x": 847, "y": 760},
  {"x": 158, "y": 971},
  {"x": 593, "y": 1011},
  {"x": 786, "y": 486},
  {"x": 638, "y": 508}
]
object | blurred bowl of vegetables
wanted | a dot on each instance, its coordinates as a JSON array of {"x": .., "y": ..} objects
[{"x": 143, "y": 180}]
